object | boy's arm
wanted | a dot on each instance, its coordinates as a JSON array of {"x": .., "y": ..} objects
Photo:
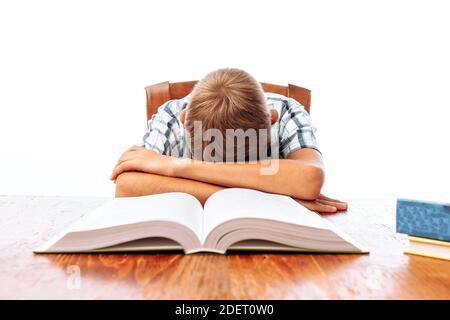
[
  {"x": 301, "y": 176},
  {"x": 134, "y": 183}
]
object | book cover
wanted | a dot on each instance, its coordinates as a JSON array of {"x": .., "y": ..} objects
[{"x": 423, "y": 219}]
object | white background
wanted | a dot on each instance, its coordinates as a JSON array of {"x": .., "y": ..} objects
[{"x": 72, "y": 75}]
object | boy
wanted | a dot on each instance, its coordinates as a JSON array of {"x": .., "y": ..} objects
[{"x": 191, "y": 146}]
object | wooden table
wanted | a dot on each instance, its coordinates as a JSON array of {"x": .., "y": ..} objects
[{"x": 386, "y": 273}]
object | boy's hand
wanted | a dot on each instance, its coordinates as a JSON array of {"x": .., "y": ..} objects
[
  {"x": 141, "y": 159},
  {"x": 323, "y": 204}
]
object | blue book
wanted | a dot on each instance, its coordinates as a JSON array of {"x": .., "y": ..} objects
[{"x": 424, "y": 219}]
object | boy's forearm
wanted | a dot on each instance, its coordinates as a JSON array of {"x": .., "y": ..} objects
[
  {"x": 292, "y": 178},
  {"x": 129, "y": 184}
]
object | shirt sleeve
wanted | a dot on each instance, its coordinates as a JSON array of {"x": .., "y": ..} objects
[
  {"x": 159, "y": 135},
  {"x": 296, "y": 131}
]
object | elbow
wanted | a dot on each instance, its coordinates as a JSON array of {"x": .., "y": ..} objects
[
  {"x": 313, "y": 180},
  {"x": 126, "y": 184}
]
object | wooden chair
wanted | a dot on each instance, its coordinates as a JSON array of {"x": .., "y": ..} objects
[{"x": 160, "y": 93}]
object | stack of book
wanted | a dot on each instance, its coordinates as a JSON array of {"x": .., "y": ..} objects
[{"x": 427, "y": 225}]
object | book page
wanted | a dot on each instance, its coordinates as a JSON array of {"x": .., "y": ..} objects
[
  {"x": 176, "y": 207},
  {"x": 236, "y": 203}
]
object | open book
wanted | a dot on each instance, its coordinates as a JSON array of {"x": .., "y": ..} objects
[{"x": 238, "y": 219}]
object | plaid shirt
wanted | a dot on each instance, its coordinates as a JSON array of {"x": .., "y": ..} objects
[{"x": 293, "y": 128}]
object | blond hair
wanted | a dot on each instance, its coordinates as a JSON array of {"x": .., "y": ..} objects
[{"x": 227, "y": 99}]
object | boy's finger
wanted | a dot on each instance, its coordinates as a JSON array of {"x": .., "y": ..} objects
[
  {"x": 339, "y": 205},
  {"x": 115, "y": 167},
  {"x": 124, "y": 157},
  {"x": 318, "y": 207},
  {"x": 120, "y": 158},
  {"x": 118, "y": 170},
  {"x": 129, "y": 155}
]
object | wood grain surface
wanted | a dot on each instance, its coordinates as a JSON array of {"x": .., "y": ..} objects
[{"x": 386, "y": 273}]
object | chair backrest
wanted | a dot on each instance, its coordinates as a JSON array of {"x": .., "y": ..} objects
[{"x": 160, "y": 93}]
